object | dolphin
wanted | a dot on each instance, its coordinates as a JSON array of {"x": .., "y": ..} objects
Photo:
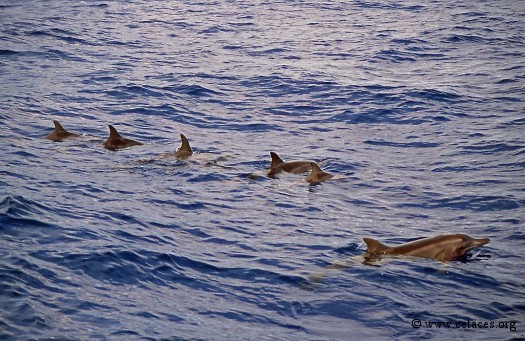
[
  {"x": 295, "y": 167},
  {"x": 183, "y": 152},
  {"x": 442, "y": 248},
  {"x": 115, "y": 141},
  {"x": 59, "y": 133},
  {"x": 317, "y": 175}
]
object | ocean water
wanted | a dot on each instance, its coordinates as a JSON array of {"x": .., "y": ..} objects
[{"x": 418, "y": 107}]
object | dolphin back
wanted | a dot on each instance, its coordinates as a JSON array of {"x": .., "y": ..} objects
[{"x": 59, "y": 133}]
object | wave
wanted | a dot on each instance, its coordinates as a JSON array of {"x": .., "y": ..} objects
[
  {"x": 140, "y": 267},
  {"x": 18, "y": 213},
  {"x": 471, "y": 202},
  {"x": 59, "y": 34},
  {"x": 7, "y": 52}
]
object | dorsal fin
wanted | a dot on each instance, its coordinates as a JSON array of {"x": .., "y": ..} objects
[
  {"x": 276, "y": 160},
  {"x": 315, "y": 168},
  {"x": 185, "y": 149},
  {"x": 185, "y": 144},
  {"x": 113, "y": 133},
  {"x": 374, "y": 246},
  {"x": 317, "y": 175},
  {"x": 58, "y": 126}
]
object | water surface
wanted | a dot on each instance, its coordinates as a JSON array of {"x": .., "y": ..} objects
[{"x": 418, "y": 107}]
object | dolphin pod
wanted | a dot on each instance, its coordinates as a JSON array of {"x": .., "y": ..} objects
[
  {"x": 442, "y": 248},
  {"x": 116, "y": 141}
]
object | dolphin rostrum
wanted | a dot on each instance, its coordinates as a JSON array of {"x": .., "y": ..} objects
[
  {"x": 115, "y": 141},
  {"x": 295, "y": 167},
  {"x": 442, "y": 248},
  {"x": 59, "y": 133},
  {"x": 317, "y": 175}
]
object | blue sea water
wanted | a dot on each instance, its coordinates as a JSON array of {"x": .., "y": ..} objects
[{"x": 417, "y": 106}]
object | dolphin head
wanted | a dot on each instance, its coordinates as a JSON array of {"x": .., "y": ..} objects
[
  {"x": 469, "y": 243},
  {"x": 463, "y": 245}
]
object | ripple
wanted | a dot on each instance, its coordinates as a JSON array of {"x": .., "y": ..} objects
[
  {"x": 7, "y": 52},
  {"x": 475, "y": 203},
  {"x": 59, "y": 34},
  {"x": 435, "y": 95},
  {"x": 492, "y": 147},
  {"x": 17, "y": 211},
  {"x": 403, "y": 145}
]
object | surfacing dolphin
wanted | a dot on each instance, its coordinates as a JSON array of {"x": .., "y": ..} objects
[
  {"x": 443, "y": 248},
  {"x": 183, "y": 152},
  {"x": 317, "y": 175},
  {"x": 295, "y": 167},
  {"x": 115, "y": 141},
  {"x": 59, "y": 133}
]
